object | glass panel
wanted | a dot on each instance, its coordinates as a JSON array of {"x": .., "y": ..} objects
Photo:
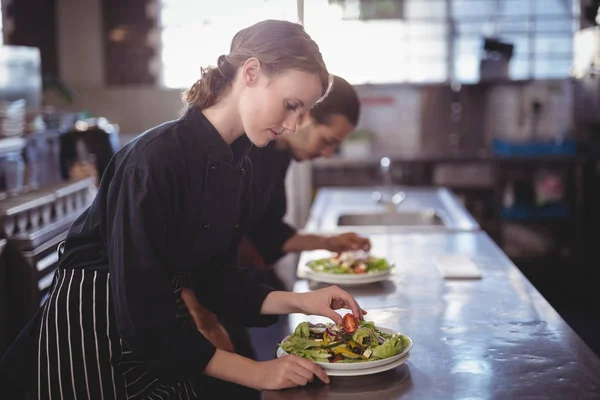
[
  {"x": 431, "y": 49},
  {"x": 517, "y": 25},
  {"x": 547, "y": 68},
  {"x": 468, "y": 46},
  {"x": 421, "y": 72},
  {"x": 575, "y": 8},
  {"x": 521, "y": 43},
  {"x": 177, "y": 12},
  {"x": 424, "y": 30},
  {"x": 362, "y": 52},
  {"x": 515, "y": 8},
  {"x": 518, "y": 68},
  {"x": 552, "y": 7},
  {"x": 414, "y": 49},
  {"x": 179, "y": 76},
  {"x": 472, "y": 8},
  {"x": 552, "y": 44},
  {"x": 419, "y": 9},
  {"x": 181, "y": 15},
  {"x": 212, "y": 25},
  {"x": 559, "y": 25},
  {"x": 466, "y": 68},
  {"x": 474, "y": 28}
]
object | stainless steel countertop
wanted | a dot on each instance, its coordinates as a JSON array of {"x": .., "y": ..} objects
[
  {"x": 494, "y": 338},
  {"x": 445, "y": 156},
  {"x": 330, "y": 203}
]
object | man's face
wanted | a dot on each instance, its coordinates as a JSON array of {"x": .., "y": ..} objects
[{"x": 313, "y": 140}]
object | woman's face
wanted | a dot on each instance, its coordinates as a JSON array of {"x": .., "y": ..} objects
[{"x": 271, "y": 106}]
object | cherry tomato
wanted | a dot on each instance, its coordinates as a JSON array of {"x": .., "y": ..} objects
[{"x": 349, "y": 323}]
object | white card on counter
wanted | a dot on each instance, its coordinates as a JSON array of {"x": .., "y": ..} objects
[{"x": 457, "y": 266}]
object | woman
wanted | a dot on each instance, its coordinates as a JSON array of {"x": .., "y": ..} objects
[{"x": 168, "y": 213}]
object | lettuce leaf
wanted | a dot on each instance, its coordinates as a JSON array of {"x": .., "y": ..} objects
[
  {"x": 378, "y": 264},
  {"x": 295, "y": 343},
  {"x": 306, "y": 348},
  {"x": 315, "y": 355},
  {"x": 302, "y": 330},
  {"x": 360, "y": 334},
  {"x": 367, "y": 324},
  {"x": 389, "y": 348}
]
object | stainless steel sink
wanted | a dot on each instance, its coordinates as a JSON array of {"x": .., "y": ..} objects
[
  {"x": 397, "y": 218},
  {"x": 421, "y": 210}
]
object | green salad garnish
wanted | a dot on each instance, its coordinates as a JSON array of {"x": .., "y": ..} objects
[
  {"x": 334, "y": 344},
  {"x": 350, "y": 263}
]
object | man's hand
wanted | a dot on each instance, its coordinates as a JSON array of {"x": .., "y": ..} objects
[
  {"x": 206, "y": 322},
  {"x": 347, "y": 242}
]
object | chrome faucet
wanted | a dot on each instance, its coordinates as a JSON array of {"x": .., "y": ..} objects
[{"x": 394, "y": 199}]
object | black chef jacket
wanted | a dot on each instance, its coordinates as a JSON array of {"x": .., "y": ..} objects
[
  {"x": 266, "y": 228},
  {"x": 171, "y": 202}
]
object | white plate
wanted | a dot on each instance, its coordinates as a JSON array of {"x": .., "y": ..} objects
[
  {"x": 338, "y": 279},
  {"x": 369, "y": 371},
  {"x": 347, "y": 279},
  {"x": 361, "y": 365}
]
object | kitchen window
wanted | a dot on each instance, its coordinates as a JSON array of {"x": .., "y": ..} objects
[
  {"x": 195, "y": 33},
  {"x": 435, "y": 41}
]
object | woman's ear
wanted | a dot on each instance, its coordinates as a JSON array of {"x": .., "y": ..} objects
[{"x": 251, "y": 70}]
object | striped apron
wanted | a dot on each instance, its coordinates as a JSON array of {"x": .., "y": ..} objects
[{"x": 80, "y": 354}]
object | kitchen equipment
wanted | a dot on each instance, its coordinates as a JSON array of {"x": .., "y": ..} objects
[
  {"x": 391, "y": 200},
  {"x": 41, "y": 156},
  {"x": 20, "y": 69},
  {"x": 87, "y": 147},
  {"x": 34, "y": 224},
  {"x": 12, "y": 118},
  {"x": 494, "y": 64}
]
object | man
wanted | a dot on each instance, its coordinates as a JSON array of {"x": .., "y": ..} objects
[
  {"x": 268, "y": 238},
  {"x": 318, "y": 134}
]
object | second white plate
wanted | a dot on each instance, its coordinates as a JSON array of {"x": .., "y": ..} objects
[{"x": 350, "y": 279}]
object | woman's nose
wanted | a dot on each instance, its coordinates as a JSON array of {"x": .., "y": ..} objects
[{"x": 289, "y": 124}]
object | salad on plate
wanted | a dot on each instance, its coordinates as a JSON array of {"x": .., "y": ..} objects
[
  {"x": 353, "y": 342},
  {"x": 351, "y": 262}
]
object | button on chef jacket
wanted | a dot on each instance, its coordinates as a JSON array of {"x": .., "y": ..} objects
[{"x": 171, "y": 202}]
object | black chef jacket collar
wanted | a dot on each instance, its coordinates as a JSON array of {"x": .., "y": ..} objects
[{"x": 212, "y": 140}]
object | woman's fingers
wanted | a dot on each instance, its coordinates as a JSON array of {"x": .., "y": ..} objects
[
  {"x": 313, "y": 369},
  {"x": 299, "y": 380},
  {"x": 303, "y": 372},
  {"x": 352, "y": 304}
]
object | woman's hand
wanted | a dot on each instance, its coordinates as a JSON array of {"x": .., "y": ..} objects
[
  {"x": 325, "y": 301},
  {"x": 206, "y": 322},
  {"x": 287, "y": 372}
]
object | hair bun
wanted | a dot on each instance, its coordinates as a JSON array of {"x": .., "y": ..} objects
[{"x": 225, "y": 67}]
